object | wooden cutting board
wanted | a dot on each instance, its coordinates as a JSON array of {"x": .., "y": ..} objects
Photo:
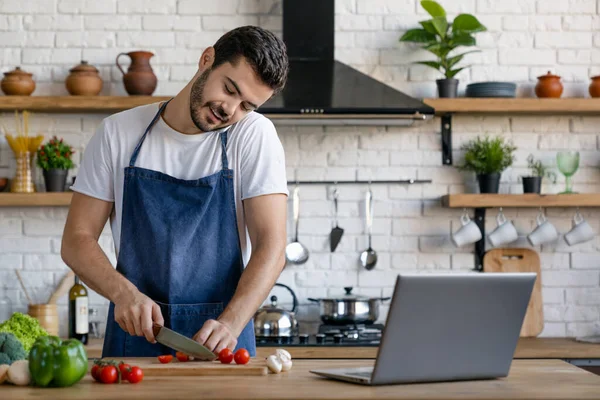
[
  {"x": 152, "y": 367},
  {"x": 521, "y": 260}
]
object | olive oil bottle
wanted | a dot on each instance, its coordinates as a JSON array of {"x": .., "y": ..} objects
[{"x": 78, "y": 312}]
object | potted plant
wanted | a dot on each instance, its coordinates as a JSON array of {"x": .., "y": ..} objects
[
  {"x": 54, "y": 158},
  {"x": 533, "y": 183},
  {"x": 488, "y": 158},
  {"x": 441, "y": 37}
]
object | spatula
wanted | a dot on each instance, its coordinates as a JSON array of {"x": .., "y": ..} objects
[{"x": 336, "y": 233}]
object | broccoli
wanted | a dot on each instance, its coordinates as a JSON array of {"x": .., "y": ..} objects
[{"x": 10, "y": 349}]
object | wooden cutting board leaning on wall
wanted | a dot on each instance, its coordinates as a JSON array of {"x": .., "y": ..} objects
[{"x": 521, "y": 260}]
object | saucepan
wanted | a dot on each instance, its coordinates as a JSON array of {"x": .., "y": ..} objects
[{"x": 349, "y": 309}]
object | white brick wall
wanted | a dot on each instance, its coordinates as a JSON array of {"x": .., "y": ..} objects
[{"x": 525, "y": 39}]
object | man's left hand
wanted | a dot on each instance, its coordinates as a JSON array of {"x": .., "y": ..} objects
[{"x": 216, "y": 336}]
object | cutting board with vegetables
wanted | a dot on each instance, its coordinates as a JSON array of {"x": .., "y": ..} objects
[
  {"x": 152, "y": 367},
  {"x": 521, "y": 260}
]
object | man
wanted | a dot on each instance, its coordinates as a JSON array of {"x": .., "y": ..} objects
[{"x": 196, "y": 190}]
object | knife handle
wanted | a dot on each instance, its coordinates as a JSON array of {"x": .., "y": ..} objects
[{"x": 156, "y": 329}]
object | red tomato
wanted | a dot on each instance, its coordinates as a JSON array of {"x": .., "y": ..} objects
[
  {"x": 135, "y": 375},
  {"x": 165, "y": 359},
  {"x": 109, "y": 374},
  {"x": 96, "y": 372},
  {"x": 226, "y": 356},
  {"x": 124, "y": 369},
  {"x": 241, "y": 356},
  {"x": 182, "y": 356}
]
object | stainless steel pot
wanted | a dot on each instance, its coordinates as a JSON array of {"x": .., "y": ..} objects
[
  {"x": 349, "y": 309},
  {"x": 271, "y": 321}
]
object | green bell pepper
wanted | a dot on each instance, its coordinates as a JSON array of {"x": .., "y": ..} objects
[{"x": 57, "y": 363}]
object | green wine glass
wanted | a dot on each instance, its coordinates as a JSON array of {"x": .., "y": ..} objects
[{"x": 568, "y": 164}]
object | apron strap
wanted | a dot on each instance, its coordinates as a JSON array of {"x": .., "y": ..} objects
[
  {"x": 139, "y": 145},
  {"x": 224, "y": 150}
]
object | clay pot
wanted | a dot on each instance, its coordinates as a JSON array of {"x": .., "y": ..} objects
[
  {"x": 17, "y": 83},
  {"x": 595, "y": 86},
  {"x": 549, "y": 86},
  {"x": 139, "y": 79},
  {"x": 83, "y": 80}
]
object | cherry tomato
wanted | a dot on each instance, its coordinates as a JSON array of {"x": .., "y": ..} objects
[
  {"x": 241, "y": 356},
  {"x": 182, "y": 356},
  {"x": 96, "y": 372},
  {"x": 165, "y": 359},
  {"x": 109, "y": 374},
  {"x": 226, "y": 356},
  {"x": 124, "y": 369},
  {"x": 135, "y": 375}
]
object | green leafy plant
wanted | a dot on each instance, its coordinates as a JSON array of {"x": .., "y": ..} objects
[
  {"x": 539, "y": 169},
  {"x": 55, "y": 154},
  {"x": 488, "y": 155},
  {"x": 441, "y": 37}
]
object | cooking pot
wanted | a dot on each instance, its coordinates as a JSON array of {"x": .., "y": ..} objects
[
  {"x": 271, "y": 321},
  {"x": 349, "y": 309}
]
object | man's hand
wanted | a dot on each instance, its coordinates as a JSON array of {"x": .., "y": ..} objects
[
  {"x": 216, "y": 336},
  {"x": 135, "y": 313}
]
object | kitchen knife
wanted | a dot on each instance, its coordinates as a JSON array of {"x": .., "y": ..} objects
[{"x": 182, "y": 343}]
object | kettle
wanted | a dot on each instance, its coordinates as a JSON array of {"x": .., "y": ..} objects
[{"x": 271, "y": 321}]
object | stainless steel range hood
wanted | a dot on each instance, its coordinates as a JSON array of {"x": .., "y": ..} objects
[{"x": 323, "y": 91}]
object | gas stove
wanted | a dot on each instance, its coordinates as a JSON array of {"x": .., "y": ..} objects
[{"x": 330, "y": 335}]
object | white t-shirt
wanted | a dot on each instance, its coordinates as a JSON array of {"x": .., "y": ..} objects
[{"x": 254, "y": 153}]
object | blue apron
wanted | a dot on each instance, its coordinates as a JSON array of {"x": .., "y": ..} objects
[{"x": 179, "y": 246}]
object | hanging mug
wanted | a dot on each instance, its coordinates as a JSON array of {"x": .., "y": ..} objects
[
  {"x": 544, "y": 232},
  {"x": 504, "y": 233},
  {"x": 581, "y": 231},
  {"x": 468, "y": 233}
]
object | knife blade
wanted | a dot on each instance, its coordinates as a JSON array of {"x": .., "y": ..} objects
[{"x": 181, "y": 343}]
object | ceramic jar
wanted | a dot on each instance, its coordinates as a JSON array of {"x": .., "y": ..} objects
[
  {"x": 140, "y": 78},
  {"x": 17, "y": 83},
  {"x": 549, "y": 85},
  {"x": 595, "y": 86},
  {"x": 84, "y": 80}
]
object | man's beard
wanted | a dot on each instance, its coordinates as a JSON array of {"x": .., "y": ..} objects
[{"x": 197, "y": 104}]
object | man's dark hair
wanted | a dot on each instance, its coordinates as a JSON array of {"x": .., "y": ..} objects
[{"x": 264, "y": 51}]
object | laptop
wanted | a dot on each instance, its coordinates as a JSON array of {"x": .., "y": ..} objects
[{"x": 447, "y": 327}]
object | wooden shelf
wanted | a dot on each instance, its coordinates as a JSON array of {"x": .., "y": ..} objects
[
  {"x": 515, "y": 105},
  {"x": 93, "y": 104},
  {"x": 109, "y": 104},
  {"x": 35, "y": 199},
  {"x": 521, "y": 200}
]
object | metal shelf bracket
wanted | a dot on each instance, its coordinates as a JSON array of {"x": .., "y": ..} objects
[
  {"x": 480, "y": 245},
  {"x": 447, "y": 139}
]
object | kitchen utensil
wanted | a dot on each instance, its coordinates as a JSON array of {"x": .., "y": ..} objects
[
  {"x": 47, "y": 315},
  {"x": 549, "y": 85},
  {"x": 544, "y": 232},
  {"x": 271, "y": 321},
  {"x": 568, "y": 164},
  {"x": 504, "y": 233},
  {"x": 23, "y": 286},
  {"x": 182, "y": 343},
  {"x": 468, "y": 233},
  {"x": 17, "y": 83},
  {"x": 62, "y": 288},
  {"x": 6, "y": 308},
  {"x": 152, "y": 367},
  {"x": 521, "y": 260},
  {"x": 491, "y": 89},
  {"x": 349, "y": 309},
  {"x": 84, "y": 80},
  {"x": 368, "y": 258},
  {"x": 594, "y": 87},
  {"x": 581, "y": 231},
  {"x": 295, "y": 252},
  {"x": 336, "y": 233},
  {"x": 140, "y": 78}
]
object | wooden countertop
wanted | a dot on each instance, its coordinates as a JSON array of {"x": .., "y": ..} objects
[
  {"x": 547, "y": 379},
  {"x": 563, "y": 348}
]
